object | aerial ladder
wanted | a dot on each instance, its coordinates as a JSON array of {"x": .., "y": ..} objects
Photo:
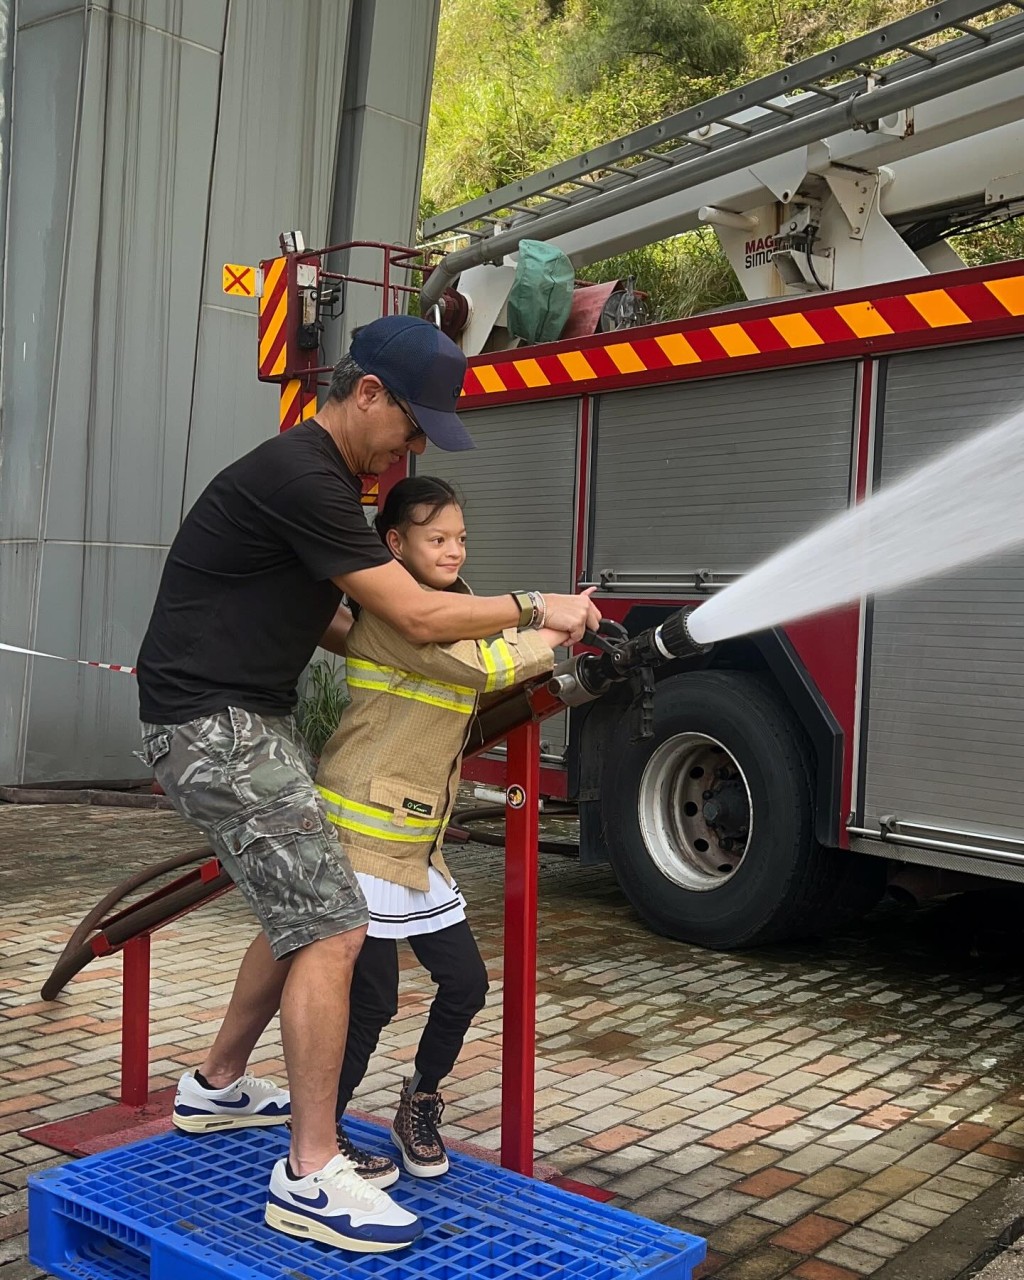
[{"x": 849, "y": 168}]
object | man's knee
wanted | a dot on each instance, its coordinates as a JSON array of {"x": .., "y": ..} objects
[{"x": 339, "y": 950}]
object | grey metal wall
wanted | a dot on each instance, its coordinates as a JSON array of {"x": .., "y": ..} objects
[
  {"x": 945, "y": 717},
  {"x": 153, "y": 141},
  {"x": 718, "y": 474},
  {"x": 519, "y": 484}
]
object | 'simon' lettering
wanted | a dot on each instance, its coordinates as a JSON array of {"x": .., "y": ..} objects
[{"x": 758, "y": 253}]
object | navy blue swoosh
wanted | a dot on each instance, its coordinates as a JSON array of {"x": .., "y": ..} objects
[
  {"x": 243, "y": 1101},
  {"x": 369, "y": 1231},
  {"x": 318, "y": 1202}
]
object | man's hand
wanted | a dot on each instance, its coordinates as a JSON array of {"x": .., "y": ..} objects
[
  {"x": 334, "y": 638},
  {"x": 572, "y": 614}
]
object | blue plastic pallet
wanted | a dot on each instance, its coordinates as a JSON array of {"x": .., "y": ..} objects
[{"x": 191, "y": 1208}]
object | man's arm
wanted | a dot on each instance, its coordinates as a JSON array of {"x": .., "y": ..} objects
[
  {"x": 335, "y": 638},
  {"x": 441, "y": 617}
]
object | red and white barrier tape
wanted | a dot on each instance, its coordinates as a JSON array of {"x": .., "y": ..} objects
[{"x": 82, "y": 662}]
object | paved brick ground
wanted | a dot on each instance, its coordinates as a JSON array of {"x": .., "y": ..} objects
[{"x": 811, "y": 1111}]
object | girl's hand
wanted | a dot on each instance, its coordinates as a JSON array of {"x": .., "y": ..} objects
[{"x": 554, "y": 639}]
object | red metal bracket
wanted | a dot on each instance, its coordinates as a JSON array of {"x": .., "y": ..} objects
[{"x": 135, "y": 1023}]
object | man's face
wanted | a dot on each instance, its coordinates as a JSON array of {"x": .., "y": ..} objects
[{"x": 392, "y": 431}]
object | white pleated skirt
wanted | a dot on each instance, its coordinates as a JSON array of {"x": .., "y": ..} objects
[{"x": 397, "y": 911}]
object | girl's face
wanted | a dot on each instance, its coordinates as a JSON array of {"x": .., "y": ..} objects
[{"x": 433, "y": 552}]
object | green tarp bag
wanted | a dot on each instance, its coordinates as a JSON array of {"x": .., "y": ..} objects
[{"x": 538, "y": 305}]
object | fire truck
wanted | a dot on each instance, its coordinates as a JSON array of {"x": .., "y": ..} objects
[{"x": 774, "y": 785}]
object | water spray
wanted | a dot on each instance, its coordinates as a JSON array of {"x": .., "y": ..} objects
[{"x": 963, "y": 506}]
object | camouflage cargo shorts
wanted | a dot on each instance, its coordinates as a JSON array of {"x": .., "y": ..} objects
[{"x": 246, "y": 782}]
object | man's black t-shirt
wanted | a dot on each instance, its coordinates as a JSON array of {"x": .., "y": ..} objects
[{"x": 246, "y": 592}]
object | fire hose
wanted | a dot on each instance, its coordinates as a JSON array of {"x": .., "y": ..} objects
[{"x": 574, "y": 682}]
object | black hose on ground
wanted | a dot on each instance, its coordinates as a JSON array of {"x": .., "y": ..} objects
[
  {"x": 496, "y": 813},
  {"x": 120, "y": 795}
]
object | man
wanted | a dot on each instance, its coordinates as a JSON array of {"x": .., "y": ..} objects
[{"x": 252, "y": 584}]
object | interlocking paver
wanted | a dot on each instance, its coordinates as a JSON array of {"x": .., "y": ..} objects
[
  {"x": 855, "y": 1260},
  {"x": 786, "y": 1207},
  {"x": 830, "y": 1182},
  {"x": 853, "y": 1206},
  {"x": 819, "y": 1087},
  {"x": 810, "y": 1233},
  {"x": 768, "y": 1182},
  {"x": 815, "y": 1269},
  {"x": 740, "y": 1234}
]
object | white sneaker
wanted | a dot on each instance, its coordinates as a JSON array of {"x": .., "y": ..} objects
[
  {"x": 245, "y": 1103},
  {"x": 335, "y": 1206}
]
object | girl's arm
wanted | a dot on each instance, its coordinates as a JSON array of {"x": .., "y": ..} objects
[{"x": 487, "y": 666}]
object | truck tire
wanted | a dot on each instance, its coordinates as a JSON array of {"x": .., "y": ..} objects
[{"x": 709, "y": 824}]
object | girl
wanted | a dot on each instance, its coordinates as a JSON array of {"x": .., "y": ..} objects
[{"x": 389, "y": 777}]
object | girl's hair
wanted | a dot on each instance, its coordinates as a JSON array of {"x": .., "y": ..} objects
[{"x": 428, "y": 491}]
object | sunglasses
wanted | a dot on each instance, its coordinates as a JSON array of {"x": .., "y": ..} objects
[{"x": 417, "y": 430}]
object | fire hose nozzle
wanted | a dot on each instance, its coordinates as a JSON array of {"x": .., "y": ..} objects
[
  {"x": 583, "y": 678},
  {"x": 673, "y": 637},
  {"x": 670, "y": 639}
]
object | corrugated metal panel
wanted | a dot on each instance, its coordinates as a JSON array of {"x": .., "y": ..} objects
[
  {"x": 42, "y": 149},
  {"x": 383, "y": 129},
  {"x": 19, "y": 566},
  {"x": 135, "y": 261},
  {"x": 94, "y": 603},
  {"x": 945, "y": 728},
  {"x": 277, "y": 136},
  {"x": 719, "y": 474},
  {"x": 198, "y": 23},
  {"x": 519, "y": 486},
  {"x": 39, "y": 10},
  {"x": 6, "y": 86},
  {"x": 129, "y": 377}
]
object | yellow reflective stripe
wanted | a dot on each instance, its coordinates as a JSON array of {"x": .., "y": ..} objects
[
  {"x": 407, "y": 684},
  {"x": 415, "y": 696},
  {"x": 379, "y": 812},
  {"x": 488, "y": 660},
  {"x": 508, "y": 660},
  {"x": 369, "y": 672},
  {"x": 400, "y": 837},
  {"x": 360, "y": 664},
  {"x": 499, "y": 664},
  {"x": 370, "y": 820}
]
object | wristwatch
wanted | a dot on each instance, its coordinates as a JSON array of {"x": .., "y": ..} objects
[{"x": 527, "y": 609}]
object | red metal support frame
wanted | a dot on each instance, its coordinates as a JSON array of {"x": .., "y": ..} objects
[
  {"x": 135, "y": 1023},
  {"x": 519, "y": 1012}
]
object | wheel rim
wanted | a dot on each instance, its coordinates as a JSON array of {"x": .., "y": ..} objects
[{"x": 695, "y": 812}]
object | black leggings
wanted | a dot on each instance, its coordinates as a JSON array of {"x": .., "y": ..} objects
[{"x": 452, "y": 959}]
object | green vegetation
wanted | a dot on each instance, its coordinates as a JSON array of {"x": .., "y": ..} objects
[
  {"x": 521, "y": 84},
  {"x": 321, "y": 703}
]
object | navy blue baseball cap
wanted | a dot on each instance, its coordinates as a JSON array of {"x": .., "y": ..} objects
[{"x": 422, "y": 366}]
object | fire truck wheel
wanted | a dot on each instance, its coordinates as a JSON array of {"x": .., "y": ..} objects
[{"x": 709, "y": 824}]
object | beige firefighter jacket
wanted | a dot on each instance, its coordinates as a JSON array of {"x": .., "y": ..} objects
[{"x": 390, "y": 772}]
